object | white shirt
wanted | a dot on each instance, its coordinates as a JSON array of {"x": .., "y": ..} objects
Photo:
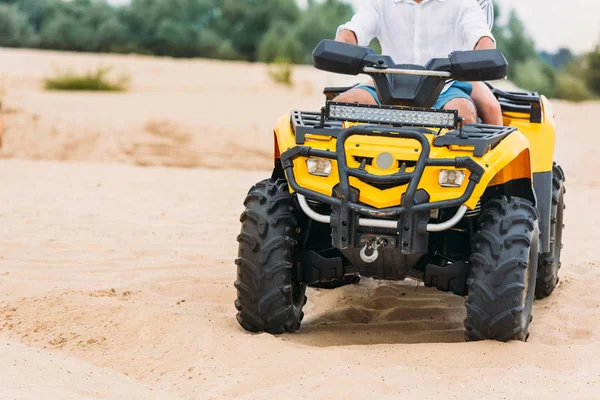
[
  {"x": 414, "y": 33},
  {"x": 488, "y": 9}
]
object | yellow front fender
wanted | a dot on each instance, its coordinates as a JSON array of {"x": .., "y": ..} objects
[{"x": 508, "y": 161}]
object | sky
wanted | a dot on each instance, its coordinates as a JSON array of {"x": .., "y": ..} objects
[
  {"x": 553, "y": 24},
  {"x": 558, "y": 23}
]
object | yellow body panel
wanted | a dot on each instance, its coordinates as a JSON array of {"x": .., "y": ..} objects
[
  {"x": 522, "y": 153},
  {"x": 542, "y": 137}
]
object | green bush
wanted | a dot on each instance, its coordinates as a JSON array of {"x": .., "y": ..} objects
[
  {"x": 593, "y": 70},
  {"x": 281, "y": 45},
  {"x": 226, "y": 51},
  {"x": 569, "y": 87},
  {"x": 281, "y": 72},
  {"x": 535, "y": 75},
  {"x": 93, "y": 80}
]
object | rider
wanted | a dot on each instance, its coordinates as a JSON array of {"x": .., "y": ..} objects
[{"x": 415, "y": 31}]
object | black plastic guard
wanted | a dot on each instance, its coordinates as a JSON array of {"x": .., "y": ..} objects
[
  {"x": 542, "y": 184},
  {"x": 449, "y": 278},
  {"x": 483, "y": 138},
  {"x": 413, "y": 227},
  {"x": 316, "y": 268}
]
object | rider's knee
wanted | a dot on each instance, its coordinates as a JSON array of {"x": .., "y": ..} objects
[
  {"x": 466, "y": 109},
  {"x": 490, "y": 110}
]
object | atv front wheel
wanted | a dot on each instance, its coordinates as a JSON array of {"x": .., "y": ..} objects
[
  {"x": 504, "y": 266},
  {"x": 549, "y": 263},
  {"x": 269, "y": 297}
]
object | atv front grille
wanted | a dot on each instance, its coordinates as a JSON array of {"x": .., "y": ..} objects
[{"x": 415, "y": 207}]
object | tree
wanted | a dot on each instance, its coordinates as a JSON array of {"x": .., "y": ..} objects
[
  {"x": 535, "y": 75},
  {"x": 176, "y": 38},
  {"x": 518, "y": 45},
  {"x": 67, "y": 33},
  {"x": 111, "y": 35},
  {"x": 593, "y": 70},
  {"x": 320, "y": 21},
  {"x": 15, "y": 30},
  {"x": 253, "y": 19},
  {"x": 558, "y": 60},
  {"x": 280, "y": 45}
]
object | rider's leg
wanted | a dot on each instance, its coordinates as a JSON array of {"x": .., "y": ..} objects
[
  {"x": 357, "y": 95},
  {"x": 465, "y": 107},
  {"x": 457, "y": 97},
  {"x": 487, "y": 105}
]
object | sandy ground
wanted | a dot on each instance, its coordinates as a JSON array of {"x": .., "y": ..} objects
[
  {"x": 116, "y": 280},
  {"x": 176, "y": 113}
]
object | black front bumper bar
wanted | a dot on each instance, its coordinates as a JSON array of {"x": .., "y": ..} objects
[{"x": 413, "y": 210}]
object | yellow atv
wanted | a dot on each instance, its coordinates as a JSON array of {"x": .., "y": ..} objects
[{"x": 402, "y": 190}]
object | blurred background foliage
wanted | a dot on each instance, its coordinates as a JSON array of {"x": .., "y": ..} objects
[{"x": 272, "y": 31}]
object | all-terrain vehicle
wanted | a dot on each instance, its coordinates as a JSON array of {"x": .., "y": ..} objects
[{"x": 402, "y": 190}]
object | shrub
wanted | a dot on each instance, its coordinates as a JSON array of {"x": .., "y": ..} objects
[
  {"x": 280, "y": 45},
  {"x": 571, "y": 88},
  {"x": 535, "y": 75},
  {"x": 281, "y": 72},
  {"x": 593, "y": 70},
  {"x": 93, "y": 80}
]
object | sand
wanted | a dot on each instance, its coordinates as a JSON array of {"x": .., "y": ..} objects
[{"x": 116, "y": 280}]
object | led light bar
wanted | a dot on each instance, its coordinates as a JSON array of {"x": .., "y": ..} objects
[{"x": 391, "y": 115}]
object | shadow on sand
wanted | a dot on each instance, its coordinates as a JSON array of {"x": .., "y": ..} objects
[{"x": 375, "y": 312}]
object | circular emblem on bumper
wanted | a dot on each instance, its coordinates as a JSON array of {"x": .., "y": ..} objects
[{"x": 385, "y": 161}]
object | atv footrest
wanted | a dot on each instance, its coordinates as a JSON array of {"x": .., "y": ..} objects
[{"x": 450, "y": 278}]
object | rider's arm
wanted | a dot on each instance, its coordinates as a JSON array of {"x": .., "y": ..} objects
[
  {"x": 485, "y": 43},
  {"x": 346, "y": 36},
  {"x": 363, "y": 27},
  {"x": 474, "y": 28}
]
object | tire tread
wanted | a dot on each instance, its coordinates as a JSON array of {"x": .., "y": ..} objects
[
  {"x": 508, "y": 227},
  {"x": 265, "y": 288}
]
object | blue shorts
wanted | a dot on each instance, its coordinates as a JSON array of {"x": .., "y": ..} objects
[{"x": 458, "y": 90}]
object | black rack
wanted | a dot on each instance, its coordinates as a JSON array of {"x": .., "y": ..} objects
[
  {"x": 313, "y": 123},
  {"x": 483, "y": 138},
  {"x": 520, "y": 102}
]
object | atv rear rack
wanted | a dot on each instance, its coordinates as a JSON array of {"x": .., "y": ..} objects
[
  {"x": 520, "y": 102},
  {"x": 413, "y": 213}
]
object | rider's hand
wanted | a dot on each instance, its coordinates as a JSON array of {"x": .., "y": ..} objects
[{"x": 346, "y": 36}]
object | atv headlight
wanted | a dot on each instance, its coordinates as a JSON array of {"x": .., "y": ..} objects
[
  {"x": 451, "y": 178},
  {"x": 318, "y": 166}
]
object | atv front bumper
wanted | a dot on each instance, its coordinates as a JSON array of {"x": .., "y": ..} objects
[{"x": 414, "y": 211}]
